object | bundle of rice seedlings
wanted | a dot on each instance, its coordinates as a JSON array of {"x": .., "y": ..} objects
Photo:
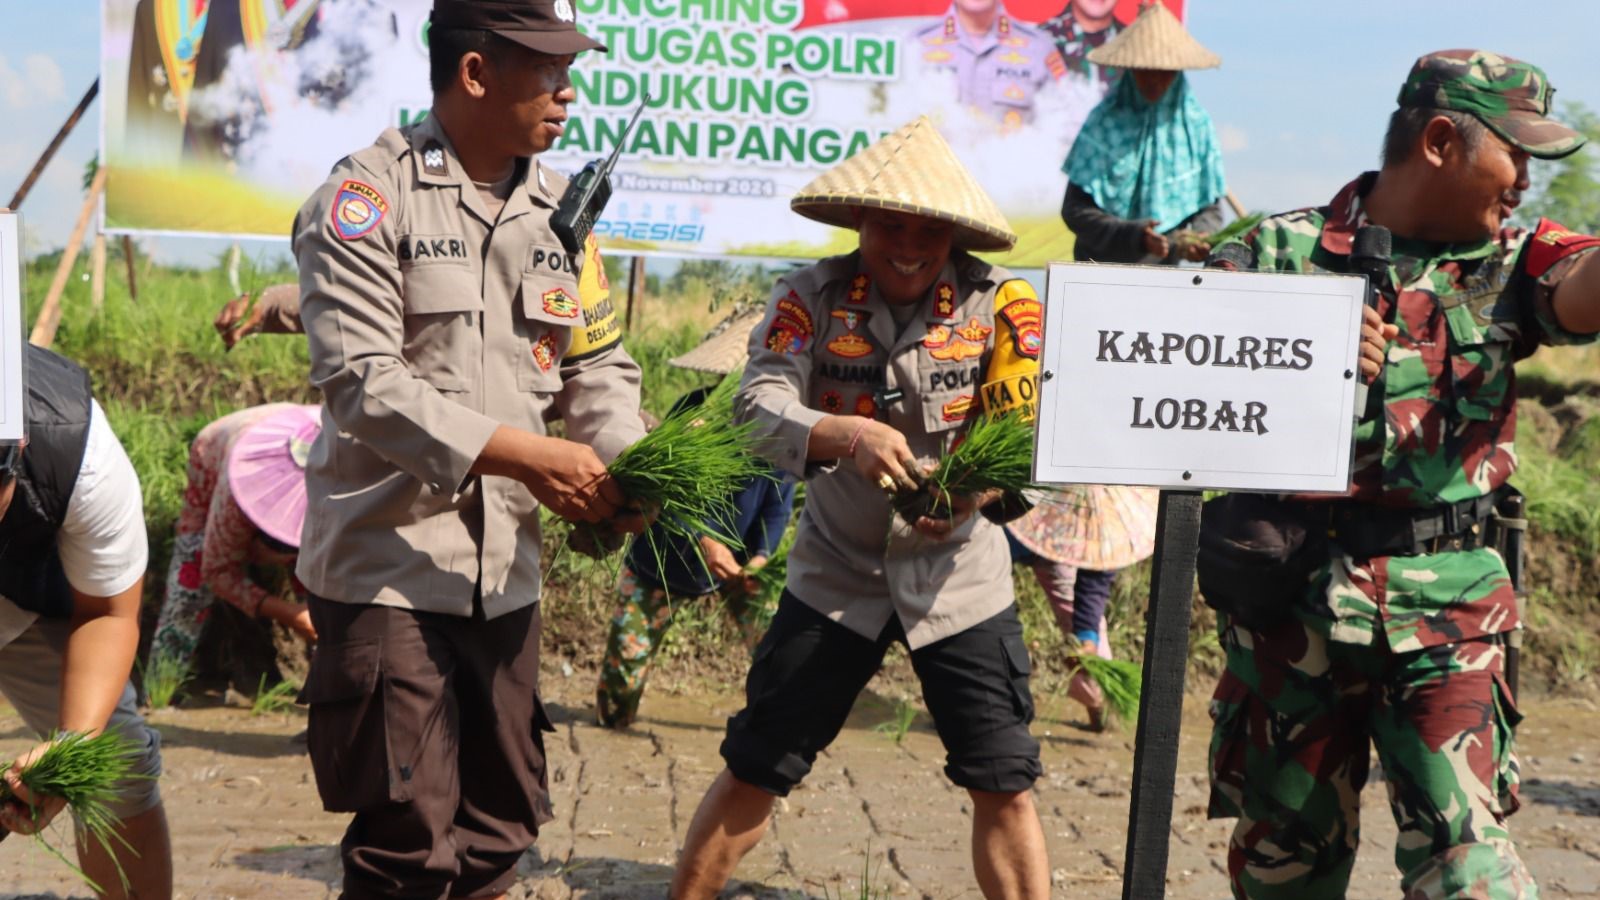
[
  {"x": 771, "y": 578},
  {"x": 1237, "y": 228},
  {"x": 995, "y": 454},
  {"x": 1120, "y": 680},
  {"x": 688, "y": 470},
  {"x": 163, "y": 677},
  {"x": 84, "y": 771}
]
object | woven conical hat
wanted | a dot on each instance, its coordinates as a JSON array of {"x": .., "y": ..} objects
[
  {"x": 912, "y": 170},
  {"x": 1155, "y": 40},
  {"x": 726, "y": 349}
]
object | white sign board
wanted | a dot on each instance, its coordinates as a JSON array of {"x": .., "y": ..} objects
[
  {"x": 11, "y": 338},
  {"x": 1198, "y": 378}
]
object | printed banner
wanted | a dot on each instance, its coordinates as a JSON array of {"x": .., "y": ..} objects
[
  {"x": 1206, "y": 380},
  {"x": 221, "y": 116}
]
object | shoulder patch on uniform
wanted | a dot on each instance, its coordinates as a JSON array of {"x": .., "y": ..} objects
[
  {"x": 792, "y": 326},
  {"x": 1025, "y": 318},
  {"x": 944, "y": 300},
  {"x": 358, "y": 207},
  {"x": 1552, "y": 242}
]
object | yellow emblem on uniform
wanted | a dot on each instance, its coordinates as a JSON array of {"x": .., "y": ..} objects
[
  {"x": 936, "y": 56},
  {"x": 975, "y": 331},
  {"x": 957, "y": 349},
  {"x": 1016, "y": 59},
  {"x": 956, "y": 410},
  {"x": 944, "y": 301},
  {"x": 850, "y": 346},
  {"x": 1012, "y": 92},
  {"x": 557, "y": 302}
]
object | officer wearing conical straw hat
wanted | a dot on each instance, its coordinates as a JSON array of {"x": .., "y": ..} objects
[
  {"x": 1145, "y": 175},
  {"x": 864, "y": 365}
]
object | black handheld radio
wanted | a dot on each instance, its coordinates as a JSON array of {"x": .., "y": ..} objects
[{"x": 587, "y": 194}]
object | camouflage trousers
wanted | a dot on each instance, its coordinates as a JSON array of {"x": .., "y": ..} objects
[
  {"x": 637, "y": 630},
  {"x": 1294, "y": 716}
]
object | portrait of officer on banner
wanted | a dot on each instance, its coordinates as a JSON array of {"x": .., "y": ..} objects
[{"x": 1000, "y": 65}]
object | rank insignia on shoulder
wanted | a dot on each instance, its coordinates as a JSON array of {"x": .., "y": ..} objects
[
  {"x": 1004, "y": 26},
  {"x": 956, "y": 410},
  {"x": 944, "y": 300},
  {"x": 544, "y": 352},
  {"x": 433, "y": 159},
  {"x": 859, "y": 286},
  {"x": 557, "y": 302},
  {"x": 357, "y": 209},
  {"x": 850, "y": 346},
  {"x": 1025, "y": 318},
  {"x": 950, "y": 26}
]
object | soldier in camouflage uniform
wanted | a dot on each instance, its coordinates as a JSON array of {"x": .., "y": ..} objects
[
  {"x": 1081, "y": 27},
  {"x": 1399, "y": 636}
]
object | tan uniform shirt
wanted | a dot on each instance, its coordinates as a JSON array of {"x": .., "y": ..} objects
[
  {"x": 431, "y": 323},
  {"x": 828, "y": 346}
]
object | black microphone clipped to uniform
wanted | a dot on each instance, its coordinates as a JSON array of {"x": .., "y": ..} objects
[{"x": 1369, "y": 255}]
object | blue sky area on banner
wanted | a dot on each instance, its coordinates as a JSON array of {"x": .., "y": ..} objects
[{"x": 1300, "y": 101}]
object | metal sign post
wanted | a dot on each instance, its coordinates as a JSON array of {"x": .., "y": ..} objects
[{"x": 1166, "y": 654}]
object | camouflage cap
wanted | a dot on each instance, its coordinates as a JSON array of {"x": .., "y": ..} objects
[{"x": 1510, "y": 96}]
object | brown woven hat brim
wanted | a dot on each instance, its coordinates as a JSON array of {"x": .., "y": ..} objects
[
  {"x": 911, "y": 170},
  {"x": 1155, "y": 40},
  {"x": 725, "y": 351},
  {"x": 971, "y": 234}
]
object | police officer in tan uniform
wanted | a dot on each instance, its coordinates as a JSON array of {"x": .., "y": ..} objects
[
  {"x": 1000, "y": 64},
  {"x": 441, "y": 312},
  {"x": 866, "y": 367}
]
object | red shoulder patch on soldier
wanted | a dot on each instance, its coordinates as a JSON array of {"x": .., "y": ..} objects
[
  {"x": 944, "y": 300},
  {"x": 1054, "y": 63},
  {"x": 1025, "y": 318},
  {"x": 358, "y": 207},
  {"x": 1551, "y": 243}
]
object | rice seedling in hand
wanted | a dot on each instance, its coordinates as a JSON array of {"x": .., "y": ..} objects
[
  {"x": 83, "y": 771},
  {"x": 688, "y": 469},
  {"x": 995, "y": 454},
  {"x": 1120, "y": 680}
]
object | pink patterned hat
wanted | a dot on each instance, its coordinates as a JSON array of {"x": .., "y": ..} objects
[{"x": 267, "y": 470}]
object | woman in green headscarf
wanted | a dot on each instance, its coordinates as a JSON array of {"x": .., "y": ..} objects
[{"x": 1145, "y": 172}]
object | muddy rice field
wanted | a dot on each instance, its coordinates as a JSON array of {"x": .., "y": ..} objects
[{"x": 247, "y": 823}]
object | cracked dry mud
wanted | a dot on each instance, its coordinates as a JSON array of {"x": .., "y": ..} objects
[{"x": 247, "y": 823}]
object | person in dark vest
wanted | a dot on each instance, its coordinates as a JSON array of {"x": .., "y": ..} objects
[{"x": 72, "y": 561}]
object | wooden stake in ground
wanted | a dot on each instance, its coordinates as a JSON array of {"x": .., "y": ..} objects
[
  {"x": 44, "y": 158},
  {"x": 97, "y": 270},
  {"x": 635, "y": 291},
  {"x": 44, "y": 327},
  {"x": 1166, "y": 653},
  {"x": 127, "y": 257}
]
